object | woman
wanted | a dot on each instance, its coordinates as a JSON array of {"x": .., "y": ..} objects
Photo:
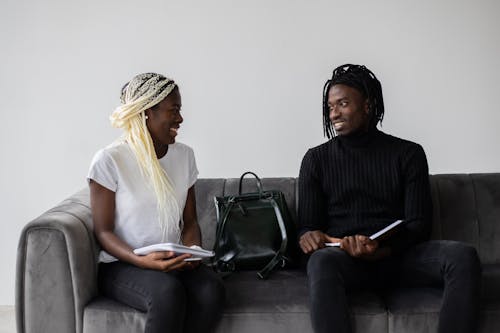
[{"x": 142, "y": 193}]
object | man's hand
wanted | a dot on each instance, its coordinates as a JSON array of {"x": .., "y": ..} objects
[
  {"x": 313, "y": 240},
  {"x": 359, "y": 246}
]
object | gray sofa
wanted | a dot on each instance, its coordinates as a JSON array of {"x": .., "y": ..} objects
[{"x": 56, "y": 269}]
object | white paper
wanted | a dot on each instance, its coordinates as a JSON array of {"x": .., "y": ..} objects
[
  {"x": 386, "y": 229},
  {"x": 194, "y": 250},
  {"x": 375, "y": 235}
]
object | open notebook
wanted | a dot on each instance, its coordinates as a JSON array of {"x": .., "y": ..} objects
[
  {"x": 197, "y": 252},
  {"x": 376, "y": 235}
]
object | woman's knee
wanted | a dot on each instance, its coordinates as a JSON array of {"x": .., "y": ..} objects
[
  {"x": 211, "y": 292},
  {"x": 168, "y": 295}
]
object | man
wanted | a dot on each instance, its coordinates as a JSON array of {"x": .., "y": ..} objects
[{"x": 359, "y": 182}]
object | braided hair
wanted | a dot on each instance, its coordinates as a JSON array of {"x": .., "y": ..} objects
[
  {"x": 362, "y": 79},
  {"x": 143, "y": 92}
]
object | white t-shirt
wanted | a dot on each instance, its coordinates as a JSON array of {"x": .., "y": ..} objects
[{"x": 136, "y": 215}]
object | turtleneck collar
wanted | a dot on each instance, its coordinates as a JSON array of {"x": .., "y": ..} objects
[{"x": 360, "y": 139}]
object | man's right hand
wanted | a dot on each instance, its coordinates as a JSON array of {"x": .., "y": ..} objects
[{"x": 314, "y": 240}]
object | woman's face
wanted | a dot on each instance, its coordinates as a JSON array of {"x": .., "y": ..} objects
[{"x": 164, "y": 119}]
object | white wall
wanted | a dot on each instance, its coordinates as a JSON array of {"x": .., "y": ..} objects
[{"x": 251, "y": 76}]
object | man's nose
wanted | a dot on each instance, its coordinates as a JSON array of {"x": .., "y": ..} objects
[
  {"x": 334, "y": 113},
  {"x": 179, "y": 118}
]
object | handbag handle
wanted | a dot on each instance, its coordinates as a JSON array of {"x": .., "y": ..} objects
[
  {"x": 280, "y": 255},
  {"x": 259, "y": 183}
]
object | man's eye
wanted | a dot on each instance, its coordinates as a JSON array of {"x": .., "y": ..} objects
[{"x": 343, "y": 104}]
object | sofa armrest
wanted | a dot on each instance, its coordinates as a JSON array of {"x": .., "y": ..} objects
[{"x": 56, "y": 270}]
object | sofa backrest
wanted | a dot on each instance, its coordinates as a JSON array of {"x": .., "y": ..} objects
[{"x": 466, "y": 207}]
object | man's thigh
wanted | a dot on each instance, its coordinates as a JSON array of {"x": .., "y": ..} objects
[
  {"x": 337, "y": 266},
  {"x": 422, "y": 265}
]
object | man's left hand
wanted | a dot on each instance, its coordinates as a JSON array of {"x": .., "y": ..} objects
[{"x": 359, "y": 246}]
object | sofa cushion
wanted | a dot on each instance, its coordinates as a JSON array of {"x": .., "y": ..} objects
[
  {"x": 491, "y": 281},
  {"x": 280, "y": 304},
  {"x": 413, "y": 310},
  {"x": 106, "y": 315},
  {"x": 487, "y": 197},
  {"x": 284, "y": 292},
  {"x": 488, "y": 318}
]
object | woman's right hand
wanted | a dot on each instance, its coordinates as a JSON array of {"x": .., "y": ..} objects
[{"x": 164, "y": 261}]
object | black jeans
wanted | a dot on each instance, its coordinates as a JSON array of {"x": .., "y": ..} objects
[
  {"x": 180, "y": 301},
  {"x": 453, "y": 265}
]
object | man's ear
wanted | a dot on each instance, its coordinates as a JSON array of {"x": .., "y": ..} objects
[{"x": 367, "y": 106}]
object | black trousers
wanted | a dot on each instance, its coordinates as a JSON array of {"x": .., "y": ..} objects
[
  {"x": 180, "y": 301},
  {"x": 453, "y": 265}
]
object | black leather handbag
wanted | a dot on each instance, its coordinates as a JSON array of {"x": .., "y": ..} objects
[{"x": 254, "y": 232}]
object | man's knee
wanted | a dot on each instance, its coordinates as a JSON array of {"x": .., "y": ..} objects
[
  {"x": 325, "y": 263},
  {"x": 461, "y": 256}
]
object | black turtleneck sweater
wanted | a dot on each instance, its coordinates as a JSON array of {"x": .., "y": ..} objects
[{"x": 358, "y": 184}]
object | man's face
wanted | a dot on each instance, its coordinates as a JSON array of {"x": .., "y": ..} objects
[{"x": 349, "y": 110}]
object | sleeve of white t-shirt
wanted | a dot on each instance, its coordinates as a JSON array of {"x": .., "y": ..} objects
[
  {"x": 103, "y": 171},
  {"x": 193, "y": 169}
]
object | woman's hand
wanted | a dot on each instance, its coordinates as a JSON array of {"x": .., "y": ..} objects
[
  {"x": 190, "y": 265},
  {"x": 164, "y": 261}
]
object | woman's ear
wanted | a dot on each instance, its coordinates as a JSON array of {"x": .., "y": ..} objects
[{"x": 147, "y": 113}]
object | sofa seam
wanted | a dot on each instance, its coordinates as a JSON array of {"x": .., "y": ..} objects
[
  {"x": 224, "y": 187},
  {"x": 476, "y": 212},
  {"x": 438, "y": 201},
  {"x": 23, "y": 291}
]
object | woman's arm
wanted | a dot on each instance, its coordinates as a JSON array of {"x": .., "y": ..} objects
[
  {"x": 191, "y": 234},
  {"x": 102, "y": 202}
]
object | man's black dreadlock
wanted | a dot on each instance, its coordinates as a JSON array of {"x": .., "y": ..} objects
[{"x": 361, "y": 78}]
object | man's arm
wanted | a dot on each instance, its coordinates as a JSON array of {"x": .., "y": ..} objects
[
  {"x": 417, "y": 202},
  {"x": 311, "y": 207}
]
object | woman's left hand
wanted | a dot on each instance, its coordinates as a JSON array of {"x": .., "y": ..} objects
[{"x": 190, "y": 265}]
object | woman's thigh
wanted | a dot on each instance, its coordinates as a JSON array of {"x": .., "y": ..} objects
[{"x": 140, "y": 288}]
